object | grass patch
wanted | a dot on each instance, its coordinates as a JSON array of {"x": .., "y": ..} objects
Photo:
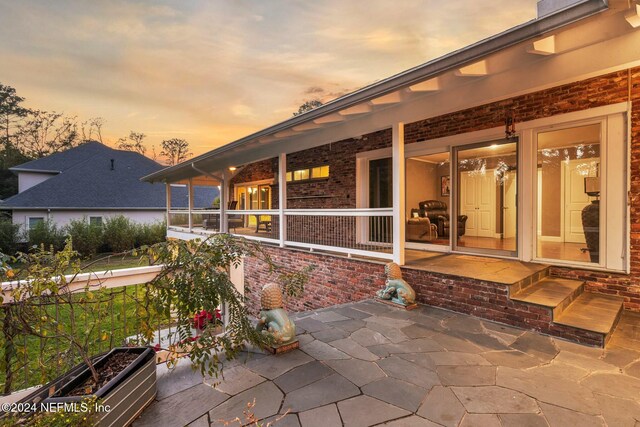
[{"x": 39, "y": 360}]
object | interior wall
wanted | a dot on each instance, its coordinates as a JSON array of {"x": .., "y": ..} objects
[{"x": 422, "y": 183}]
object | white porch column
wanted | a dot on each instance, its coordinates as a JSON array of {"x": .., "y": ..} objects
[
  {"x": 398, "y": 163},
  {"x": 190, "y": 197},
  {"x": 282, "y": 196},
  {"x": 168, "y": 203},
  {"x": 224, "y": 197}
]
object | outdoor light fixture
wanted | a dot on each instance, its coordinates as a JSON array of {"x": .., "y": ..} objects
[
  {"x": 509, "y": 125},
  {"x": 633, "y": 18},
  {"x": 232, "y": 168}
]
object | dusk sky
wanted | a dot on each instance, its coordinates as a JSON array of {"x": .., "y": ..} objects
[{"x": 213, "y": 71}]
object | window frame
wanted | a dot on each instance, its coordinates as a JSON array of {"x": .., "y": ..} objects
[
  {"x": 612, "y": 179},
  {"x": 100, "y": 217},
  {"x": 29, "y": 218}
]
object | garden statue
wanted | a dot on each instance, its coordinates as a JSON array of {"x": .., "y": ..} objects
[
  {"x": 397, "y": 290},
  {"x": 274, "y": 320}
]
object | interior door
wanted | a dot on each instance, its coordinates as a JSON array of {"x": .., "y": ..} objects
[
  {"x": 484, "y": 195},
  {"x": 575, "y": 199},
  {"x": 486, "y": 208},
  {"x": 468, "y": 202},
  {"x": 509, "y": 215}
]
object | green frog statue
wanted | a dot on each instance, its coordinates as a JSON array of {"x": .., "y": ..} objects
[
  {"x": 274, "y": 320},
  {"x": 396, "y": 289}
]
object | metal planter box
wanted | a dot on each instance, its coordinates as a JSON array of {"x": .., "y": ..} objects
[{"x": 126, "y": 395}]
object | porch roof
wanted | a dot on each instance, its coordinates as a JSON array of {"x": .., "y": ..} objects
[{"x": 404, "y": 87}]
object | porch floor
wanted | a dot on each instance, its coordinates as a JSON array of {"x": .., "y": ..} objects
[
  {"x": 505, "y": 271},
  {"x": 366, "y": 364}
]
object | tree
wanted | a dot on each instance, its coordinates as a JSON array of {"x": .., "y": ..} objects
[
  {"x": 308, "y": 106},
  {"x": 45, "y": 133},
  {"x": 133, "y": 142},
  {"x": 11, "y": 113},
  {"x": 92, "y": 129},
  {"x": 175, "y": 150}
]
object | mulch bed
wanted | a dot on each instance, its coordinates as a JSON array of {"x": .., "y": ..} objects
[{"x": 115, "y": 364}]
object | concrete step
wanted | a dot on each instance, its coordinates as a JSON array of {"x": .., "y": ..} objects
[
  {"x": 592, "y": 312},
  {"x": 551, "y": 292}
]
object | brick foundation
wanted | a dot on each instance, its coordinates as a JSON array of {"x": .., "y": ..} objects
[
  {"x": 334, "y": 280},
  {"x": 338, "y": 280}
]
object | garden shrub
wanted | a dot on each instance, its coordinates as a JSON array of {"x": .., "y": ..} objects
[
  {"x": 119, "y": 234},
  {"x": 86, "y": 237},
  {"x": 47, "y": 233},
  {"x": 9, "y": 236},
  {"x": 148, "y": 234}
]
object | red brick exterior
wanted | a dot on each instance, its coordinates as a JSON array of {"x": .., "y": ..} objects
[
  {"x": 337, "y": 280},
  {"x": 334, "y": 280},
  {"x": 490, "y": 301},
  {"x": 340, "y": 189},
  {"x": 596, "y": 92}
]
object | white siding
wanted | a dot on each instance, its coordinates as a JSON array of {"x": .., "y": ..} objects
[{"x": 26, "y": 180}]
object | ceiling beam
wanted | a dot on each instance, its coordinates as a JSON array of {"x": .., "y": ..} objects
[
  {"x": 430, "y": 85},
  {"x": 306, "y": 126},
  {"x": 356, "y": 109},
  {"x": 390, "y": 98},
  {"x": 331, "y": 118},
  {"x": 633, "y": 18},
  {"x": 476, "y": 69},
  {"x": 545, "y": 46}
]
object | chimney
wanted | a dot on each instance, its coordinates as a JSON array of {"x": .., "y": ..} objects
[
  {"x": 549, "y": 7},
  {"x": 113, "y": 167}
]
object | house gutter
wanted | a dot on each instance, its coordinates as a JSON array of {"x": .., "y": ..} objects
[{"x": 456, "y": 59}]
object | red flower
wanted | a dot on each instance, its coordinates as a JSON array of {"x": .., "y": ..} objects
[
  {"x": 157, "y": 347},
  {"x": 200, "y": 320}
]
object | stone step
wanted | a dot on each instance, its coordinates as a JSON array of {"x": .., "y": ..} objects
[
  {"x": 540, "y": 274},
  {"x": 592, "y": 312},
  {"x": 551, "y": 292}
]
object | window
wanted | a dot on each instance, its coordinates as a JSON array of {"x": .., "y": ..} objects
[
  {"x": 95, "y": 220},
  {"x": 35, "y": 220},
  {"x": 568, "y": 181},
  {"x": 300, "y": 175},
  {"x": 318, "y": 172}
]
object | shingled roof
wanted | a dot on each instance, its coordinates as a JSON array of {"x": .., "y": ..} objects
[{"x": 86, "y": 180}]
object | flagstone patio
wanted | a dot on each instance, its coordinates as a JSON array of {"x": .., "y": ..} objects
[{"x": 368, "y": 364}]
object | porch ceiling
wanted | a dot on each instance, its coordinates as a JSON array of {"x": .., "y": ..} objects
[{"x": 555, "y": 49}]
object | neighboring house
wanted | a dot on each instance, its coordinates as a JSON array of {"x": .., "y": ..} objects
[
  {"x": 488, "y": 174},
  {"x": 95, "y": 182}
]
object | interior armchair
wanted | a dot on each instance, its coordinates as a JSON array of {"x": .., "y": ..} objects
[
  {"x": 437, "y": 213},
  {"x": 421, "y": 229}
]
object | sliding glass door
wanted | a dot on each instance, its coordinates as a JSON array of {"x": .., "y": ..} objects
[{"x": 486, "y": 195}]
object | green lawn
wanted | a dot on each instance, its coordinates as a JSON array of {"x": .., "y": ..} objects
[
  {"x": 100, "y": 262},
  {"x": 40, "y": 360}
]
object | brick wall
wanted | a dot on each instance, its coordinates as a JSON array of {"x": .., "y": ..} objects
[
  {"x": 491, "y": 301},
  {"x": 595, "y": 92},
  {"x": 334, "y": 280}
]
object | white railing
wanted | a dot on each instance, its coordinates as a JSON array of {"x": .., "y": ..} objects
[
  {"x": 263, "y": 224},
  {"x": 363, "y": 232}
]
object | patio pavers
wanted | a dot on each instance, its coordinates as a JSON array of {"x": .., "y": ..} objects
[{"x": 427, "y": 367}]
